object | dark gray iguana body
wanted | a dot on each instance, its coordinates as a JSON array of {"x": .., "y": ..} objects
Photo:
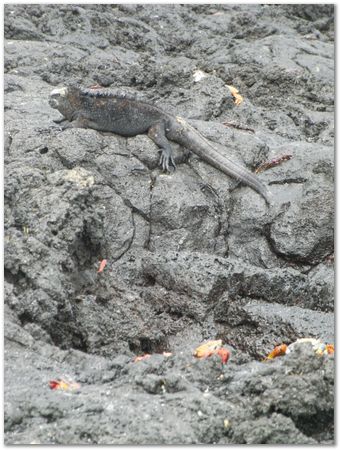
[{"x": 129, "y": 116}]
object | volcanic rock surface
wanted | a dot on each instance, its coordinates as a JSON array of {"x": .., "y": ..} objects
[{"x": 191, "y": 255}]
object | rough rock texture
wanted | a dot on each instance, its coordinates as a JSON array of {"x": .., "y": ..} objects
[{"x": 191, "y": 255}]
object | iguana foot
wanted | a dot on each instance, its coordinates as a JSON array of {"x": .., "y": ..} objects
[{"x": 165, "y": 160}]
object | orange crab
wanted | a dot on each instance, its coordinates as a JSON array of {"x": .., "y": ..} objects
[
  {"x": 212, "y": 348},
  {"x": 279, "y": 350},
  {"x": 319, "y": 347},
  {"x": 142, "y": 357},
  {"x": 238, "y": 99},
  {"x": 102, "y": 265},
  {"x": 63, "y": 385}
]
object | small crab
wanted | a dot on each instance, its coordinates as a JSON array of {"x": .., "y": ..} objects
[{"x": 212, "y": 348}]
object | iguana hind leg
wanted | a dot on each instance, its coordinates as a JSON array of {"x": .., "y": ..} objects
[{"x": 157, "y": 134}]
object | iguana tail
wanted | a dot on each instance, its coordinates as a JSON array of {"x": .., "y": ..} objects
[{"x": 198, "y": 144}]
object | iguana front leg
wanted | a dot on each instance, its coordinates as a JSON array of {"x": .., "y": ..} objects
[
  {"x": 76, "y": 121},
  {"x": 157, "y": 134},
  {"x": 60, "y": 120}
]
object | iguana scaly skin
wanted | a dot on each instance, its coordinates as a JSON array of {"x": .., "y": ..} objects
[{"x": 127, "y": 115}]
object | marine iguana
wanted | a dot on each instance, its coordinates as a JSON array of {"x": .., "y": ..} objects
[{"x": 126, "y": 115}]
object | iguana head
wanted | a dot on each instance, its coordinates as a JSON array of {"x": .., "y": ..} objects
[{"x": 65, "y": 100}]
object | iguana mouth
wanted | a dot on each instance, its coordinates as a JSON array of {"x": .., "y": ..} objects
[{"x": 53, "y": 102}]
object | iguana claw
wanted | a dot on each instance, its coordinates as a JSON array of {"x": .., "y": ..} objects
[{"x": 165, "y": 160}]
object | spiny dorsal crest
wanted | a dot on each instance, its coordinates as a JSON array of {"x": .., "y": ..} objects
[{"x": 113, "y": 93}]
